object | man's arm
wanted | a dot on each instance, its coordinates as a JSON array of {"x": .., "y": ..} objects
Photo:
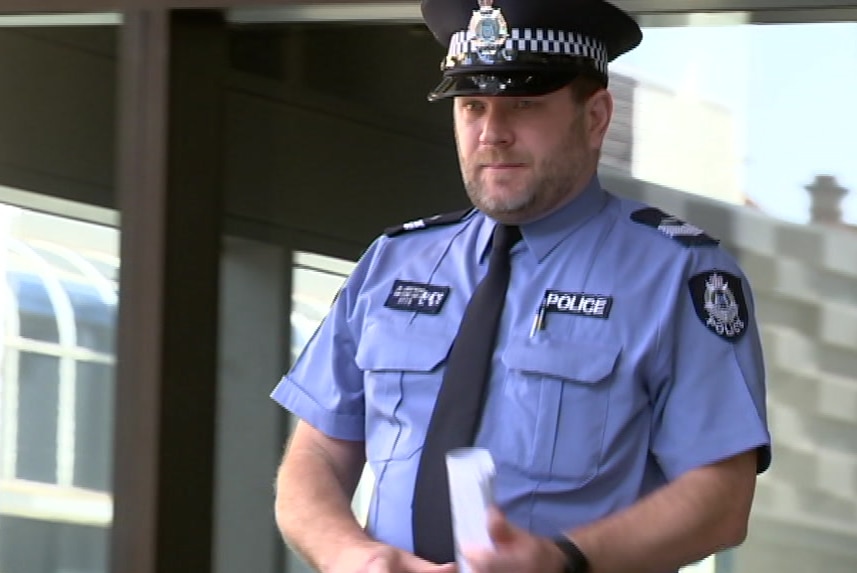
[
  {"x": 702, "y": 512},
  {"x": 315, "y": 483}
]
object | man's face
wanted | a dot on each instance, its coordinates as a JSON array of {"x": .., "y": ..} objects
[{"x": 523, "y": 157}]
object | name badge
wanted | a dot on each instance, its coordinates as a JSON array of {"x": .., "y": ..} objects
[
  {"x": 580, "y": 303},
  {"x": 417, "y": 297}
]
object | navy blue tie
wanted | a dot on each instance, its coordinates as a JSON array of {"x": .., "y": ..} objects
[{"x": 458, "y": 409}]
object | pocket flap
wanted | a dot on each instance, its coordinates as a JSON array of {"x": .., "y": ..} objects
[
  {"x": 572, "y": 359},
  {"x": 389, "y": 346}
]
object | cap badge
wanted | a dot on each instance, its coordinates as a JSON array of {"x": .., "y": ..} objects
[{"x": 488, "y": 29}]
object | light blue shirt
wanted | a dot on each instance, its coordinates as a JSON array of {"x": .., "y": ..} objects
[{"x": 653, "y": 369}]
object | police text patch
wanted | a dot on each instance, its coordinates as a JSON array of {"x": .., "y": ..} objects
[
  {"x": 417, "y": 297},
  {"x": 718, "y": 300},
  {"x": 594, "y": 305}
]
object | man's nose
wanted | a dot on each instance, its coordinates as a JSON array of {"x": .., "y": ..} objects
[{"x": 496, "y": 129}]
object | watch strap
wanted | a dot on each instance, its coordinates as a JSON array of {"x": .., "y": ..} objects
[{"x": 575, "y": 560}]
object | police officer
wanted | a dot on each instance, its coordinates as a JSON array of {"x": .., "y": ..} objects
[{"x": 625, "y": 404}]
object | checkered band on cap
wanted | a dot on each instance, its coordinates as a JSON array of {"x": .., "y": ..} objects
[{"x": 540, "y": 41}]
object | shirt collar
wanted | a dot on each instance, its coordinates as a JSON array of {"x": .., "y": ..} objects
[{"x": 543, "y": 235}]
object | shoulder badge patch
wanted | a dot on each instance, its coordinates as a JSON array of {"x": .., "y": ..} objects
[
  {"x": 685, "y": 233},
  {"x": 434, "y": 221},
  {"x": 718, "y": 300}
]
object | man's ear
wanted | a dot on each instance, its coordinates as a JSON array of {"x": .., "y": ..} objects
[{"x": 599, "y": 111}]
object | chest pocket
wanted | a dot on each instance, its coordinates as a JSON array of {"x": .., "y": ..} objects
[
  {"x": 554, "y": 407},
  {"x": 402, "y": 373}
]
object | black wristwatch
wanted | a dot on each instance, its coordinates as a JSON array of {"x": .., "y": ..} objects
[{"x": 575, "y": 560}]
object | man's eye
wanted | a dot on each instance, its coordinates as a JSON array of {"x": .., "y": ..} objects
[
  {"x": 472, "y": 106},
  {"x": 524, "y": 103}
]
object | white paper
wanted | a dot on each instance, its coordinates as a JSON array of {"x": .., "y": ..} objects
[{"x": 471, "y": 485}]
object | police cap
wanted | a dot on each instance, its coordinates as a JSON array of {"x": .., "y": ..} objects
[{"x": 525, "y": 47}]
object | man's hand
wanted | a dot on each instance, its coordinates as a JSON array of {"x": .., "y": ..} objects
[
  {"x": 380, "y": 558},
  {"x": 515, "y": 550}
]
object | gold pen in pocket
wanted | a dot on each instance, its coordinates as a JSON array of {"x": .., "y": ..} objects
[{"x": 538, "y": 320}]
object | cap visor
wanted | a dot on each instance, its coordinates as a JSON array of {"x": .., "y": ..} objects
[{"x": 510, "y": 85}]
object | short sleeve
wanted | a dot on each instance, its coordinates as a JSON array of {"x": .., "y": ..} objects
[
  {"x": 325, "y": 387},
  {"x": 709, "y": 395}
]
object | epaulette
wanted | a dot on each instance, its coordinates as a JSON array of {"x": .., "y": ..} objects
[
  {"x": 673, "y": 227},
  {"x": 425, "y": 223}
]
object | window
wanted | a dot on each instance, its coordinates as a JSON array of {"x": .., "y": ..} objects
[
  {"x": 316, "y": 279},
  {"x": 747, "y": 131},
  {"x": 743, "y": 114},
  {"x": 57, "y": 321}
]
